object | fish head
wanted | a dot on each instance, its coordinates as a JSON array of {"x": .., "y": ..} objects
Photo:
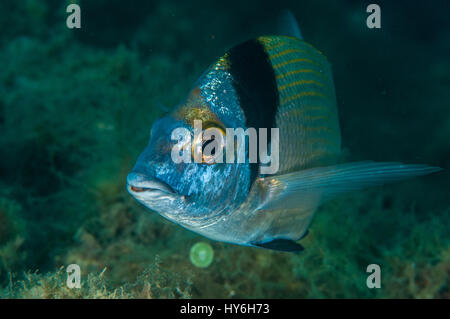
[{"x": 187, "y": 192}]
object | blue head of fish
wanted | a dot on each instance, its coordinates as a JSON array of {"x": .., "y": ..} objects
[{"x": 187, "y": 193}]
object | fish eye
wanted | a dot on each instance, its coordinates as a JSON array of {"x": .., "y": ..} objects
[{"x": 207, "y": 145}]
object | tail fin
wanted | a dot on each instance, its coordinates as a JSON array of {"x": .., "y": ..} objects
[
  {"x": 287, "y": 25},
  {"x": 314, "y": 186}
]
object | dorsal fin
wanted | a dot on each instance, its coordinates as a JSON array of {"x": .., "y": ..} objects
[{"x": 287, "y": 25}]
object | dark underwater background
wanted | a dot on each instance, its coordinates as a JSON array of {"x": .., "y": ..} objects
[{"x": 76, "y": 107}]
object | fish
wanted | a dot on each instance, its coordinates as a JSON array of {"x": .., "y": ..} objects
[{"x": 275, "y": 82}]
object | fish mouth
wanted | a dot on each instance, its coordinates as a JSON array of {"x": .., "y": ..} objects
[
  {"x": 138, "y": 184},
  {"x": 139, "y": 189}
]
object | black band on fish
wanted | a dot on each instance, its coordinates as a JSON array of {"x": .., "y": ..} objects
[{"x": 256, "y": 87}]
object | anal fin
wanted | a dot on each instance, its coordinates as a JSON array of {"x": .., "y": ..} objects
[{"x": 280, "y": 245}]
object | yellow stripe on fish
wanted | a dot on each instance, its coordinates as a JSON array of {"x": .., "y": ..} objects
[
  {"x": 300, "y": 82},
  {"x": 305, "y": 109},
  {"x": 297, "y": 96},
  {"x": 287, "y": 51},
  {"x": 296, "y": 72},
  {"x": 279, "y": 65}
]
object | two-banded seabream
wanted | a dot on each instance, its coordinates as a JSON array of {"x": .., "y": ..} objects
[{"x": 277, "y": 81}]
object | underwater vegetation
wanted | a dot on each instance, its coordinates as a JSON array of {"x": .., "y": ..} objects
[
  {"x": 151, "y": 283},
  {"x": 76, "y": 107}
]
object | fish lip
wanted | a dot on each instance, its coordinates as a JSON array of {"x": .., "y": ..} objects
[
  {"x": 138, "y": 184},
  {"x": 135, "y": 189},
  {"x": 139, "y": 189}
]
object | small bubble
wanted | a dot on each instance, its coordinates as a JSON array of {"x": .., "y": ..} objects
[{"x": 201, "y": 255}]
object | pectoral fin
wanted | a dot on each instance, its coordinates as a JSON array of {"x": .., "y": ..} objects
[{"x": 309, "y": 188}]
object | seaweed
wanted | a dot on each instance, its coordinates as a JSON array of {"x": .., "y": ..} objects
[{"x": 151, "y": 283}]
